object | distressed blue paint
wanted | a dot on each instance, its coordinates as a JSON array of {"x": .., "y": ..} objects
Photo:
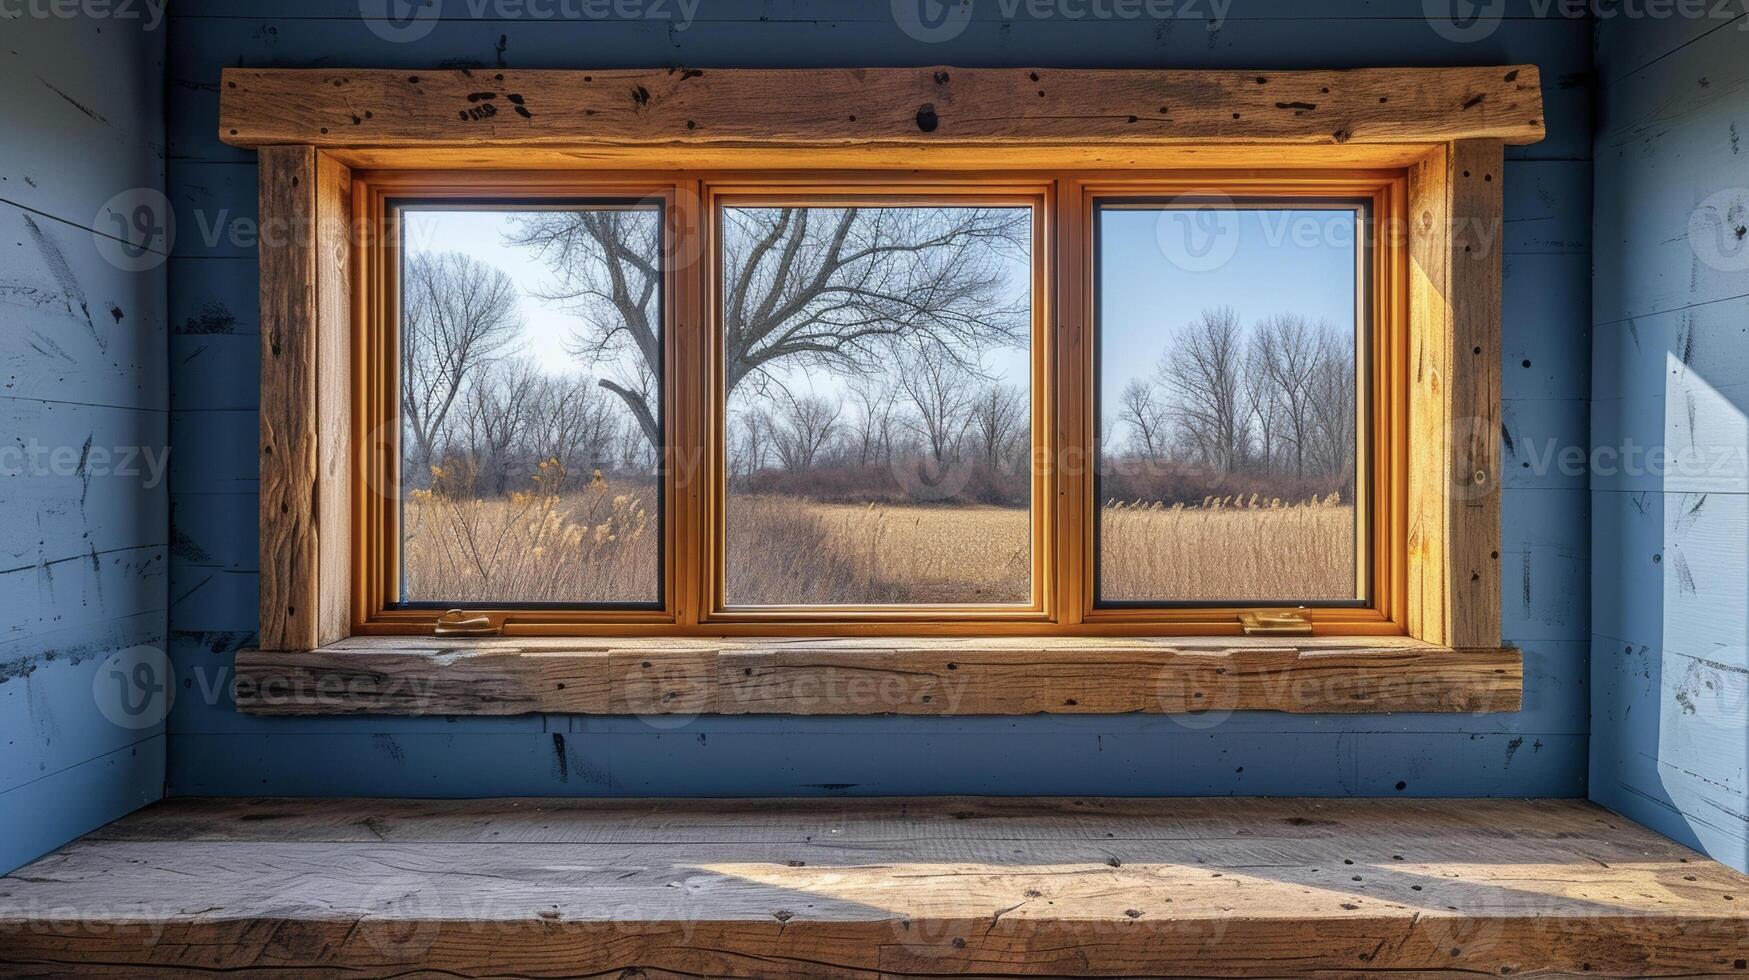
[
  {"x": 213, "y": 312},
  {"x": 1670, "y": 596},
  {"x": 82, "y": 379}
]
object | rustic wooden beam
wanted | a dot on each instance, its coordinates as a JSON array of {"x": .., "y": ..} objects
[
  {"x": 838, "y": 107},
  {"x": 1456, "y": 227},
  {"x": 429, "y": 676},
  {"x": 874, "y": 888},
  {"x": 1478, "y": 209},
  {"x": 305, "y": 209}
]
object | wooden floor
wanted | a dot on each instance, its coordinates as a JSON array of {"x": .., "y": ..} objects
[{"x": 867, "y": 888}]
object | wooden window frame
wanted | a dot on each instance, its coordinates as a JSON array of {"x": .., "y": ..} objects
[{"x": 332, "y": 142}]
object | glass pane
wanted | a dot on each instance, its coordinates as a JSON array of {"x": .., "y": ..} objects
[
  {"x": 879, "y": 417},
  {"x": 1227, "y": 404},
  {"x": 531, "y": 405}
]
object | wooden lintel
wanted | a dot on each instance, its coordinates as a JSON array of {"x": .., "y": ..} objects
[
  {"x": 428, "y": 676},
  {"x": 872, "y": 107}
]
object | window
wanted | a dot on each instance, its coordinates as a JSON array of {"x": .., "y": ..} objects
[
  {"x": 1401, "y": 582},
  {"x": 876, "y": 364},
  {"x": 1230, "y": 340},
  {"x": 754, "y": 403},
  {"x": 530, "y": 403}
]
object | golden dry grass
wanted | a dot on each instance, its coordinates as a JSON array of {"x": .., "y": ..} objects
[
  {"x": 1227, "y": 550},
  {"x": 600, "y": 545},
  {"x": 784, "y": 550}
]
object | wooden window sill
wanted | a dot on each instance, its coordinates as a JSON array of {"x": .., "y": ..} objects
[{"x": 876, "y": 675}]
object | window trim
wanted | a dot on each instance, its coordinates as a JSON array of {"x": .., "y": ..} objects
[
  {"x": 1447, "y": 133},
  {"x": 1388, "y": 326},
  {"x": 375, "y": 412},
  {"x": 886, "y": 190},
  {"x": 1063, "y": 600}
]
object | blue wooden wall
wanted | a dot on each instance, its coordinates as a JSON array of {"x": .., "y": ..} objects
[
  {"x": 83, "y": 386},
  {"x": 213, "y": 314},
  {"x": 1670, "y": 600}
]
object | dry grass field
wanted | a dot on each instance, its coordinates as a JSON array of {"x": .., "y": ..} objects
[
  {"x": 1227, "y": 550},
  {"x": 600, "y": 545},
  {"x": 785, "y": 550}
]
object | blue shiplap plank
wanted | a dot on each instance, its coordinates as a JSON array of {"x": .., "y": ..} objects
[
  {"x": 87, "y": 97},
  {"x": 83, "y": 419},
  {"x": 78, "y": 328},
  {"x": 681, "y": 763},
  {"x": 42, "y": 815},
  {"x": 1670, "y": 597},
  {"x": 58, "y": 710}
]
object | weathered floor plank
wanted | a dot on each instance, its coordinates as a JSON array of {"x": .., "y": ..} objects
[{"x": 867, "y": 888}]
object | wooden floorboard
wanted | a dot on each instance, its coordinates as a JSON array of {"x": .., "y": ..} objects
[{"x": 873, "y": 888}]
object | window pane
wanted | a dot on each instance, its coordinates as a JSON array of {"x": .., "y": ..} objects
[
  {"x": 530, "y": 405},
  {"x": 1227, "y": 403},
  {"x": 879, "y": 404}
]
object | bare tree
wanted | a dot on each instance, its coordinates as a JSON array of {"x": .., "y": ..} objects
[
  {"x": 458, "y": 315},
  {"x": 824, "y": 286},
  {"x": 573, "y": 423},
  {"x": 999, "y": 420},
  {"x": 1262, "y": 402},
  {"x": 1333, "y": 406},
  {"x": 939, "y": 394},
  {"x": 807, "y": 424},
  {"x": 609, "y": 269},
  {"x": 754, "y": 429},
  {"x": 1201, "y": 376},
  {"x": 872, "y": 427},
  {"x": 1141, "y": 408},
  {"x": 497, "y": 415},
  {"x": 1291, "y": 349}
]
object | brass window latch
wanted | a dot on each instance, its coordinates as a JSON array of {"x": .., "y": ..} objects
[
  {"x": 460, "y": 622},
  {"x": 1275, "y": 622}
]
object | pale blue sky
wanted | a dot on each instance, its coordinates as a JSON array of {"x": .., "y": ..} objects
[
  {"x": 482, "y": 235},
  {"x": 1159, "y": 269}
]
